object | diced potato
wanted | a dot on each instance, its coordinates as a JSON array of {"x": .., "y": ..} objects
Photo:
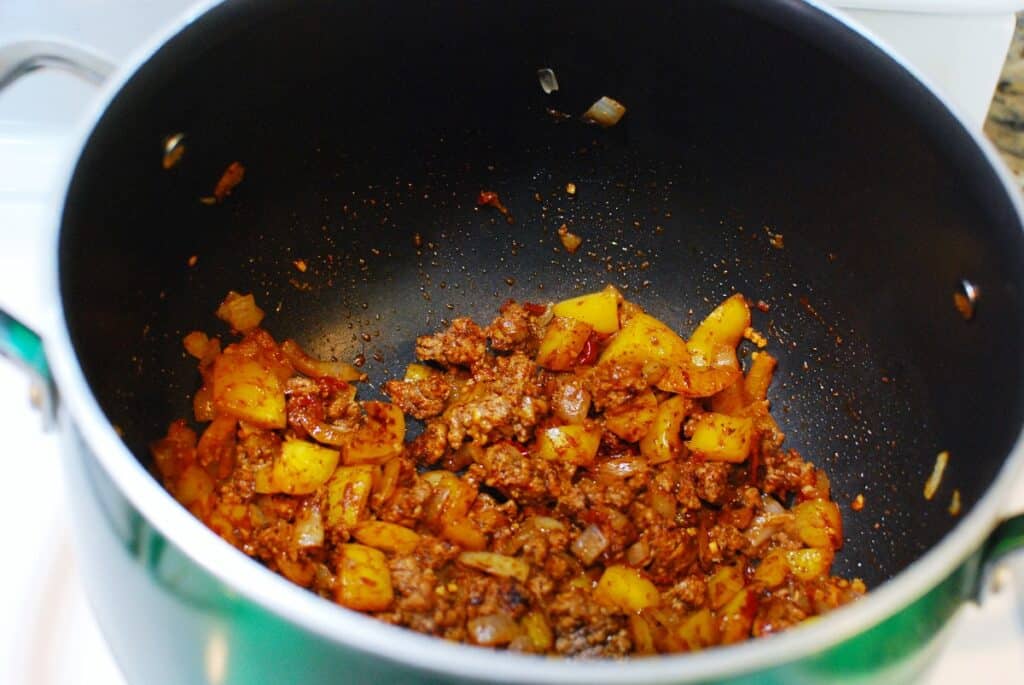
[
  {"x": 216, "y": 448},
  {"x": 721, "y": 329},
  {"x": 202, "y": 404},
  {"x": 632, "y": 421},
  {"x": 626, "y": 588},
  {"x": 247, "y": 389},
  {"x": 809, "y": 563},
  {"x": 379, "y": 438},
  {"x": 464, "y": 533},
  {"x": 718, "y": 437},
  {"x": 419, "y": 372},
  {"x": 452, "y": 496},
  {"x": 598, "y": 310},
  {"x": 773, "y": 569},
  {"x": 730, "y": 400},
  {"x": 240, "y": 312},
  {"x": 818, "y": 523},
  {"x": 300, "y": 469},
  {"x": 364, "y": 581},
  {"x": 759, "y": 375},
  {"x": 646, "y": 340},
  {"x": 536, "y": 627},
  {"x": 664, "y": 442},
  {"x": 737, "y": 617},
  {"x": 347, "y": 493},
  {"x": 576, "y": 444},
  {"x": 723, "y": 585},
  {"x": 640, "y": 633},
  {"x": 194, "y": 488},
  {"x": 389, "y": 537},
  {"x": 497, "y": 564},
  {"x": 563, "y": 341},
  {"x": 176, "y": 451},
  {"x": 699, "y": 630}
]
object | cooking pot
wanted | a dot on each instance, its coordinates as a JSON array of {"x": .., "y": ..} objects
[{"x": 768, "y": 148}]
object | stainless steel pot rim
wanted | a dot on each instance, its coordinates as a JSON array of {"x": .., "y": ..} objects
[{"x": 263, "y": 587}]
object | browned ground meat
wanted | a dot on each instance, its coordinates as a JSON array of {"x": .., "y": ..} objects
[
  {"x": 524, "y": 515},
  {"x": 514, "y": 330},
  {"x": 462, "y": 344},
  {"x": 421, "y": 399}
]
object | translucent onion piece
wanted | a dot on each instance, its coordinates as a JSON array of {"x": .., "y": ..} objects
[
  {"x": 590, "y": 544},
  {"x": 605, "y": 112},
  {"x": 492, "y": 630},
  {"x": 548, "y": 82},
  {"x": 316, "y": 368},
  {"x": 309, "y": 528}
]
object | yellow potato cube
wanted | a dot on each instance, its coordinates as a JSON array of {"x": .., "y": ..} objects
[
  {"x": 819, "y": 524},
  {"x": 348, "y": 491},
  {"x": 664, "y": 442},
  {"x": 773, "y": 569},
  {"x": 300, "y": 469},
  {"x": 419, "y": 372},
  {"x": 699, "y": 630},
  {"x": 721, "y": 329},
  {"x": 598, "y": 310},
  {"x": 737, "y": 617},
  {"x": 640, "y": 633},
  {"x": 646, "y": 340},
  {"x": 626, "y": 588},
  {"x": 632, "y": 421},
  {"x": 536, "y": 628},
  {"x": 248, "y": 390},
  {"x": 563, "y": 341},
  {"x": 379, "y": 438},
  {"x": 389, "y": 537},
  {"x": 364, "y": 580},
  {"x": 809, "y": 563},
  {"x": 576, "y": 444},
  {"x": 718, "y": 437},
  {"x": 723, "y": 585}
]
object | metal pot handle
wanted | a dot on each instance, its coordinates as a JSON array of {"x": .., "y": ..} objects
[
  {"x": 23, "y": 57},
  {"x": 17, "y": 340}
]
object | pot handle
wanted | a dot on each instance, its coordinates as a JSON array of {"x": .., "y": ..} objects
[
  {"x": 17, "y": 340},
  {"x": 23, "y": 57},
  {"x": 1004, "y": 547},
  {"x": 24, "y": 346}
]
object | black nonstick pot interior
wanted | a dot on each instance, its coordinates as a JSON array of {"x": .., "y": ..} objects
[{"x": 363, "y": 125}]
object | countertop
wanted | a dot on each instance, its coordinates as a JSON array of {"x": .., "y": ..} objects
[{"x": 1005, "y": 123}]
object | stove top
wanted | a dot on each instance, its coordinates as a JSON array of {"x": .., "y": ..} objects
[{"x": 48, "y": 635}]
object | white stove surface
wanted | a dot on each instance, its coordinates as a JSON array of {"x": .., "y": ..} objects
[{"x": 48, "y": 635}]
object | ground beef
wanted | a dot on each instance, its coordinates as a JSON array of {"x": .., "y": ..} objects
[
  {"x": 421, "y": 399},
  {"x": 514, "y": 329},
  {"x": 462, "y": 344}
]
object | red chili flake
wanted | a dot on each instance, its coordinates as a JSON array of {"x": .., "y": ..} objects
[
  {"x": 588, "y": 355},
  {"x": 534, "y": 308}
]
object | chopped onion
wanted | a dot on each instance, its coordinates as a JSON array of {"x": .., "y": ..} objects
[
  {"x": 316, "y": 368},
  {"x": 546, "y": 524},
  {"x": 571, "y": 403},
  {"x": 497, "y": 564},
  {"x": 492, "y": 630},
  {"x": 590, "y": 544},
  {"x": 934, "y": 480},
  {"x": 621, "y": 467},
  {"x": 638, "y": 553},
  {"x": 548, "y": 82},
  {"x": 309, "y": 528},
  {"x": 605, "y": 112}
]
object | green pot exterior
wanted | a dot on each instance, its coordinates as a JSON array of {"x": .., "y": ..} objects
[{"x": 168, "y": 620}]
